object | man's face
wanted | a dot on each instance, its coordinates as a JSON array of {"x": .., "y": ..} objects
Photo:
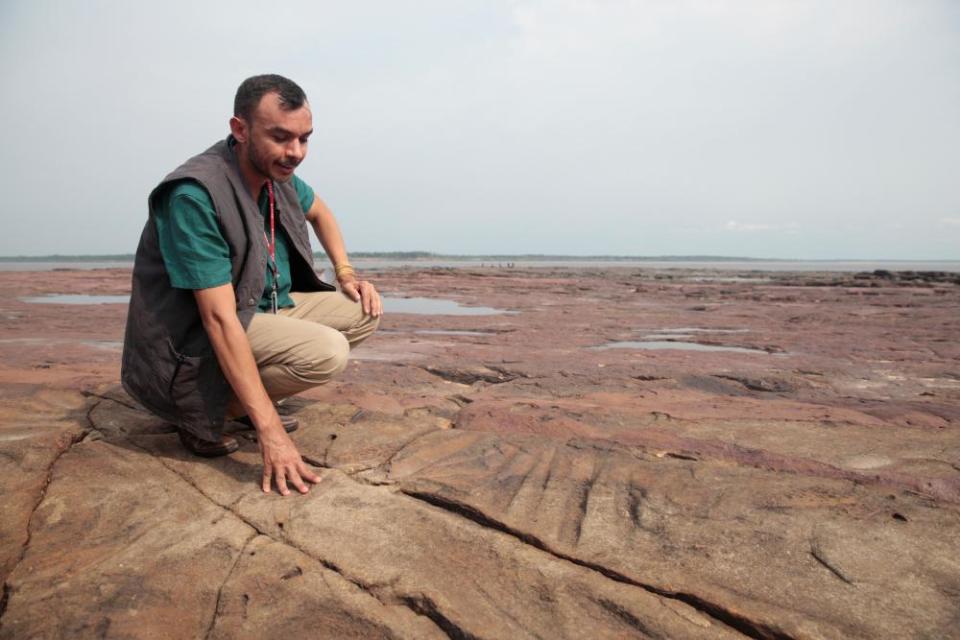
[{"x": 276, "y": 139}]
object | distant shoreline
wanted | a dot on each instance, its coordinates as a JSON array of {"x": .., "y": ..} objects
[
  {"x": 415, "y": 256},
  {"x": 370, "y": 262}
]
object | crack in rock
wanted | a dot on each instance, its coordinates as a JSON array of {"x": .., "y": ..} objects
[
  {"x": 7, "y": 589},
  {"x": 451, "y": 630},
  {"x": 422, "y": 605},
  {"x": 91, "y": 424},
  {"x": 91, "y": 394}
]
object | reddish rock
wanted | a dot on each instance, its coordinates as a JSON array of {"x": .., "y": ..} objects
[{"x": 502, "y": 477}]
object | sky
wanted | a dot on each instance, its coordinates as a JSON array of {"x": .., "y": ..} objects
[{"x": 808, "y": 129}]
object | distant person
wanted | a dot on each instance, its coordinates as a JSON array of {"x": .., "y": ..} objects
[{"x": 227, "y": 314}]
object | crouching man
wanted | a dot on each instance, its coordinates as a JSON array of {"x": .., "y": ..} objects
[{"x": 227, "y": 315}]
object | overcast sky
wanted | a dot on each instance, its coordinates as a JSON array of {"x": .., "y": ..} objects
[{"x": 791, "y": 129}]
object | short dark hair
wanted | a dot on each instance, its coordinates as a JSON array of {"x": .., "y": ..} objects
[{"x": 252, "y": 90}]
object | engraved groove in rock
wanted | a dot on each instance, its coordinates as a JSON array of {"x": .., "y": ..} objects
[
  {"x": 629, "y": 618},
  {"x": 821, "y": 557},
  {"x": 218, "y": 604},
  {"x": 421, "y": 605},
  {"x": 736, "y": 621}
]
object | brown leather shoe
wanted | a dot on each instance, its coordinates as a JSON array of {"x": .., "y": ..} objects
[
  {"x": 290, "y": 424},
  {"x": 206, "y": 448}
]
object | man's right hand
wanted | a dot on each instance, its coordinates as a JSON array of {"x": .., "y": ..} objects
[{"x": 282, "y": 462}]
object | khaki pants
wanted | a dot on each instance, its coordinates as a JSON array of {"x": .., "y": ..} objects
[{"x": 306, "y": 345}]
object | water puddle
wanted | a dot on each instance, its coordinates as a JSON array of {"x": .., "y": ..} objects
[
  {"x": 683, "y": 333},
  {"x": 452, "y": 332},
  {"x": 671, "y": 344},
  {"x": 720, "y": 279},
  {"x": 76, "y": 298},
  {"x": 434, "y": 306},
  {"x": 693, "y": 330},
  {"x": 867, "y": 461},
  {"x": 423, "y": 306},
  {"x": 109, "y": 345}
]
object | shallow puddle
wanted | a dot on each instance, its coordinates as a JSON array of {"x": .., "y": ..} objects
[
  {"x": 867, "y": 461},
  {"x": 76, "y": 298},
  {"x": 675, "y": 330},
  {"x": 423, "y": 306},
  {"x": 110, "y": 345},
  {"x": 452, "y": 332},
  {"x": 435, "y": 306},
  {"x": 670, "y": 344}
]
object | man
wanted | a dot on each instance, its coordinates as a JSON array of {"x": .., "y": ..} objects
[{"x": 227, "y": 314}]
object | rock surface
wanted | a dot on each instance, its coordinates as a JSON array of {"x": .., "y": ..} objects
[{"x": 504, "y": 476}]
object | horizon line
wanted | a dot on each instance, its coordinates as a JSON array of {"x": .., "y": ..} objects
[{"x": 427, "y": 255}]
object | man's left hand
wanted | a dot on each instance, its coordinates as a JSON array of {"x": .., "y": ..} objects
[{"x": 363, "y": 292}]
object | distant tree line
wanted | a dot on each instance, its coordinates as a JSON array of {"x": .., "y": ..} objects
[{"x": 421, "y": 255}]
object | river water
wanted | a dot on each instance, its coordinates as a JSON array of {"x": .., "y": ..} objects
[{"x": 759, "y": 265}]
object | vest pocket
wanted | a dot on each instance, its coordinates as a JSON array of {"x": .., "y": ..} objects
[{"x": 193, "y": 391}]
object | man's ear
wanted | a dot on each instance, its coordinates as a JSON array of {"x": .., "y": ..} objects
[{"x": 239, "y": 129}]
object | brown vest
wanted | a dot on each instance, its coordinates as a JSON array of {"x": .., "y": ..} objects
[{"x": 168, "y": 364}]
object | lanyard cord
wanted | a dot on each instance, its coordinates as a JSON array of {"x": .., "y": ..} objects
[{"x": 272, "y": 247}]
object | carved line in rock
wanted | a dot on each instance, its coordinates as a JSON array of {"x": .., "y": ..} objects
[
  {"x": 217, "y": 607},
  {"x": 738, "y": 622},
  {"x": 821, "y": 557},
  {"x": 627, "y": 617},
  {"x": 421, "y": 604},
  {"x": 697, "y": 450}
]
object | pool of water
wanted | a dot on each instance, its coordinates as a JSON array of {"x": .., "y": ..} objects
[
  {"x": 109, "y": 345},
  {"x": 424, "y": 306},
  {"x": 436, "y": 306},
  {"x": 452, "y": 332},
  {"x": 692, "y": 330},
  {"x": 671, "y": 344},
  {"x": 76, "y": 298}
]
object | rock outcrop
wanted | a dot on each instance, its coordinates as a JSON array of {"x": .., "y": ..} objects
[{"x": 503, "y": 477}]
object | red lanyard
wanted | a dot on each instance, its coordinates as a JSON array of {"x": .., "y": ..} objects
[
  {"x": 272, "y": 247},
  {"x": 272, "y": 240}
]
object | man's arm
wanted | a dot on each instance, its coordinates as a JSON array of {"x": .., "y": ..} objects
[
  {"x": 281, "y": 460},
  {"x": 328, "y": 232}
]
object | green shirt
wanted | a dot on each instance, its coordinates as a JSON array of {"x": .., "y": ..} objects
[{"x": 194, "y": 252}]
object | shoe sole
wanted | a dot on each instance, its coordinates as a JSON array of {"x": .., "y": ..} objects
[
  {"x": 222, "y": 449},
  {"x": 290, "y": 426}
]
